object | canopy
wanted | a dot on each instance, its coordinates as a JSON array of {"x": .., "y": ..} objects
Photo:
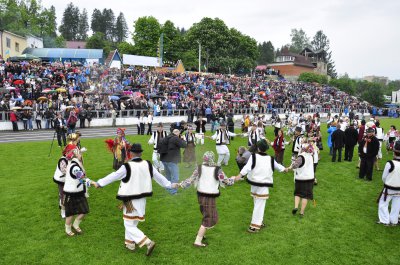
[
  {"x": 65, "y": 53},
  {"x": 129, "y": 59},
  {"x": 24, "y": 57}
]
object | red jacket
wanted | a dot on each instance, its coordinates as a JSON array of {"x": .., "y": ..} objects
[{"x": 13, "y": 117}]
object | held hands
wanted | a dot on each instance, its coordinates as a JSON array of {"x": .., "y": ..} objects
[
  {"x": 237, "y": 178},
  {"x": 175, "y": 185},
  {"x": 95, "y": 184}
]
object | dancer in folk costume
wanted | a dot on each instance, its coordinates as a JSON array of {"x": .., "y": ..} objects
[
  {"x": 278, "y": 145},
  {"x": 222, "y": 138},
  {"x": 391, "y": 190},
  {"x": 207, "y": 178},
  {"x": 312, "y": 139},
  {"x": 189, "y": 154},
  {"x": 75, "y": 190},
  {"x": 59, "y": 179},
  {"x": 391, "y": 137},
  {"x": 71, "y": 122},
  {"x": 200, "y": 130},
  {"x": 120, "y": 148},
  {"x": 155, "y": 139},
  {"x": 136, "y": 185},
  {"x": 297, "y": 142},
  {"x": 259, "y": 170},
  {"x": 254, "y": 135},
  {"x": 59, "y": 174},
  {"x": 303, "y": 177}
]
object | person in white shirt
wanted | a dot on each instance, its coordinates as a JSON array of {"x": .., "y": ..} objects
[
  {"x": 303, "y": 167},
  {"x": 155, "y": 139},
  {"x": 379, "y": 133},
  {"x": 391, "y": 190},
  {"x": 149, "y": 122},
  {"x": 222, "y": 138},
  {"x": 259, "y": 170},
  {"x": 136, "y": 185}
]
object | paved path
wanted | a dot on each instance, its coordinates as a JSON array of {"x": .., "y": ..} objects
[{"x": 45, "y": 135}]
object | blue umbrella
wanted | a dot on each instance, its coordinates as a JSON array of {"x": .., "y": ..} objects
[
  {"x": 114, "y": 98},
  {"x": 19, "y": 99}
]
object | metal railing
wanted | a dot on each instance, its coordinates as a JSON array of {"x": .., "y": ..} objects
[{"x": 103, "y": 114}]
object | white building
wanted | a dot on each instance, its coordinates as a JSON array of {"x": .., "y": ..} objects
[{"x": 33, "y": 41}]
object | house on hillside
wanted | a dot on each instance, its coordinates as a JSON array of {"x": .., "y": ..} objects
[
  {"x": 75, "y": 44},
  {"x": 317, "y": 58},
  {"x": 291, "y": 65}
]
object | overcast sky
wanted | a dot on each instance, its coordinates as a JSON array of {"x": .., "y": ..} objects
[{"x": 364, "y": 34}]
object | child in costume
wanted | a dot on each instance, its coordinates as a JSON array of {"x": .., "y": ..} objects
[
  {"x": 303, "y": 167},
  {"x": 120, "y": 148},
  {"x": 207, "y": 178},
  {"x": 75, "y": 190}
]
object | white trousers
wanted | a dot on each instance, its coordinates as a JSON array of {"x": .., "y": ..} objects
[
  {"x": 199, "y": 138},
  {"x": 131, "y": 220},
  {"x": 156, "y": 161},
  {"x": 379, "y": 156},
  {"x": 223, "y": 154},
  {"x": 133, "y": 234},
  {"x": 260, "y": 196},
  {"x": 383, "y": 211}
]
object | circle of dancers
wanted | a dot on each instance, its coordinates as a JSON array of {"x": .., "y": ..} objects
[{"x": 254, "y": 164}]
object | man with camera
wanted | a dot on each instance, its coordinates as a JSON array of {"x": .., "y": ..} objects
[{"x": 61, "y": 128}]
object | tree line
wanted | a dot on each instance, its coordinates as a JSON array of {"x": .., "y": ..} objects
[
  {"x": 223, "y": 49},
  {"x": 372, "y": 92}
]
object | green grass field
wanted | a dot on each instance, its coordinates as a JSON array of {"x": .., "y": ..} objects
[{"x": 341, "y": 228}]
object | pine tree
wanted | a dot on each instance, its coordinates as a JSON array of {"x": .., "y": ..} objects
[
  {"x": 96, "y": 22},
  {"x": 121, "y": 28},
  {"x": 69, "y": 28},
  {"x": 321, "y": 41},
  {"x": 83, "y": 25},
  {"x": 266, "y": 50},
  {"x": 108, "y": 21}
]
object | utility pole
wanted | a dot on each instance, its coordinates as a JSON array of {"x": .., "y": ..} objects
[
  {"x": 161, "y": 49},
  {"x": 199, "y": 56}
]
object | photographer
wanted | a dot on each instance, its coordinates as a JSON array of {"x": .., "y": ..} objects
[{"x": 61, "y": 128}]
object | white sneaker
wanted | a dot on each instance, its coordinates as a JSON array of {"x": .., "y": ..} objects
[{"x": 131, "y": 247}]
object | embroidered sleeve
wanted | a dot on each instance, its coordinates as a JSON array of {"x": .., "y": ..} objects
[
  {"x": 189, "y": 181},
  {"x": 63, "y": 166},
  {"x": 224, "y": 180},
  {"x": 296, "y": 163}
]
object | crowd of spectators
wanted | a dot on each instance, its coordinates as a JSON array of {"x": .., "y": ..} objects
[{"x": 40, "y": 90}]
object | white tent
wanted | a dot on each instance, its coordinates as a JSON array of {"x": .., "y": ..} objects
[
  {"x": 137, "y": 60},
  {"x": 396, "y": 96}
]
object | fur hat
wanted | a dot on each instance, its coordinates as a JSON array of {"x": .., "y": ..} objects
[
  {"x": 262, "y": 146},
  {"x": 370, "y": 130},
  {"x": 396, "y": 147}
]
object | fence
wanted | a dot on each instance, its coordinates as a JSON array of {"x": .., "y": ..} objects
[{"x": 101, "y": 114}]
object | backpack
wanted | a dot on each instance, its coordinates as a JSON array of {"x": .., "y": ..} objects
[{"x": 163, "y": 145}]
